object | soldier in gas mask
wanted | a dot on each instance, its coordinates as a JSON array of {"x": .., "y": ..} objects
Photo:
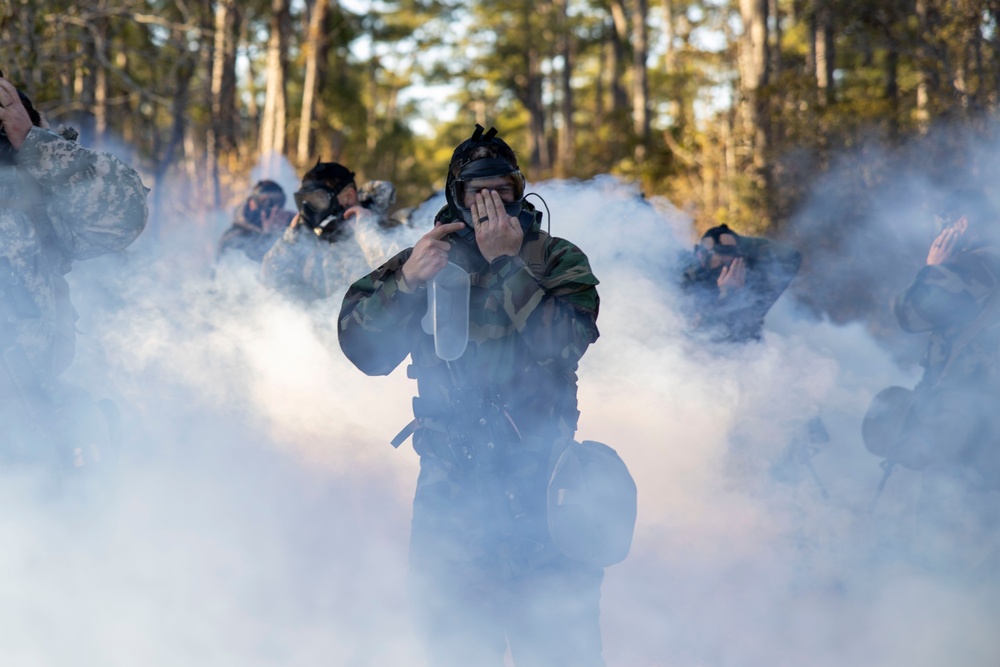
[
  {"x": 59, "y": 202},
  {"x": 485, "y": 570},
  {"x": 311, "y": 259},
  {"x": 258, "y": 222},
  {"x": 731, "y": 281}
]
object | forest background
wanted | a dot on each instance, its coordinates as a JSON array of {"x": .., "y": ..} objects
[{"x": 737, "y": 111}]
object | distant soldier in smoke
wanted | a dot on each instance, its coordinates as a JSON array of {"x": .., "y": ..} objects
[
  {"x": 949, "y": 425},
  {"x": 485, "y": 571},
  {"x": 310, "y": 260},
  {"x": 731, "y": 281},
  {"x": 258, "y": 223},
  {"x": 59, "y": 202}
]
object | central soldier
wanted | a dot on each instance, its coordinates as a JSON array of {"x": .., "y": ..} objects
[{"x": 489, "y": 425}]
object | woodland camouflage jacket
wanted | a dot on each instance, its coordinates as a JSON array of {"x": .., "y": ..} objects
[
  {"x": 957, "y": 303},
  {"x": 60, "y": 202},
  {"x": 531, "y": 319}
]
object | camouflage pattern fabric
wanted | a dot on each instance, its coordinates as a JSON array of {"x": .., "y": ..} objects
[
  {"x": 738, "y": 315},
  {"x": 60, "y": 202},
  {"x": 302, "y": 265}
]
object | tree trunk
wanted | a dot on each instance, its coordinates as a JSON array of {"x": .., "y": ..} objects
[
  {"x": 754, "y": 75},
  {"x": 640, "y": 80},
  {"x": 315, "y": 46},
  {"x": 272, "y": 126},
  {"x": 924, "y": 76},
  {"x": 567, "y": 136},
  {"x": 824, "y": 50},
  {"x": 619, "y": 100}
]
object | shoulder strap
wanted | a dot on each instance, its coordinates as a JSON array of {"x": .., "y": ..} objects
[{"x": 533, "y": 252}]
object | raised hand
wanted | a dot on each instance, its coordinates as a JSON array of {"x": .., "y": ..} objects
[
  {"x": 497, "y": 234},
  {"x": 734, "y": 275},
  {"x": 946, "y": 243}
]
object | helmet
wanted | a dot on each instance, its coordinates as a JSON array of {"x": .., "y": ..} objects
[{"x": 480, "y": 157}]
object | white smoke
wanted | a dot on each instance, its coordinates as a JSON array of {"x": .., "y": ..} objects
[{"x": 258, "y": 515}]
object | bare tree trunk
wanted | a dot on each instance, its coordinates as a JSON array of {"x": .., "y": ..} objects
[
  {"x": 923, "y": 116},
  {"x": 640, "y": 79},
  {"x": 619, "y": 100},
  {"x": 825, "y": 58},
  {"x": 314, "y": 47},
  {"x": 754, "y": 77},
  {"x": 272, "y": 126},
  {"x": 567, "y": 137},
  {"x": 669, "y": 33}
]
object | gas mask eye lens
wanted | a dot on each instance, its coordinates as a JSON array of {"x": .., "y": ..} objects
[{"x": 318, "y": 199}]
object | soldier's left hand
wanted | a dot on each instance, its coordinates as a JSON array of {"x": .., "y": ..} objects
[
  {"x": 13, "y": 116},
  {"x": 497, "y": 234},
  {"x": 357, "y": 211}
]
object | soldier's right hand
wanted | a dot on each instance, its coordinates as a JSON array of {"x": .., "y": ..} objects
[
  {"x": 946, "y": 243},
  {"x": 733, "y": 276},
  {"x": 429, "y": 256}
]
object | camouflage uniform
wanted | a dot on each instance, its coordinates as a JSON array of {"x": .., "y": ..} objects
[
  {"x": 59, "y": 202},
  {"x": 482, "y": 563},
  {"x": 954, "y": 416},
  {"x": 307, "y": 267},
  {"x": 94, "y": 203},
  {"x": 737, "y": 315}
]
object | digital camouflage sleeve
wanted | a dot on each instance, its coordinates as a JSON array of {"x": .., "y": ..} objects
[
  {"x": 60, "y": 202},
  {"x": 96, "y": 202}
]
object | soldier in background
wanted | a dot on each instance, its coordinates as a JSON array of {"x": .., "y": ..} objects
[
  {"x": 311, "y": 259},
  {"x": 948, "y": 426},
  {"x": 258, "y": 222},
  {"x": 59, "y": 202},
  {"x": 484, "y": 571},
  {"x": 731, "y": 281}
]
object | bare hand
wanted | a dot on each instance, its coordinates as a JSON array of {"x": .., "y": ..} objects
[
  {"x": 734, "y": 275},
  {"x": 497, "y": 234},
  {"x": 429, "y": 256},
  {"x": 357, "y": 211},
  {"x": 946, "y": 242},
  {"x": 13, "y": 116}
]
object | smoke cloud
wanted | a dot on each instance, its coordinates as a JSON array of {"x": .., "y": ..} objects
[{"x": 257, "y": 515}]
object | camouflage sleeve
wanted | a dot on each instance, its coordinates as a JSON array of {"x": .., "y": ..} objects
[
  {"x": 284, "y": 266},
  {"x": 950, "y": 293},
  {"x": 376, "y": 318},
  {"x": 555, "y": 314},
  {"x": 377, "y": 196},
  {"x": 96, "y": 202}
]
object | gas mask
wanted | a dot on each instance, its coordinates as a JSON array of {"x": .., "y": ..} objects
[
  {"x": 320, "y": 211},
  {"x": 492, "y": 174}
]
